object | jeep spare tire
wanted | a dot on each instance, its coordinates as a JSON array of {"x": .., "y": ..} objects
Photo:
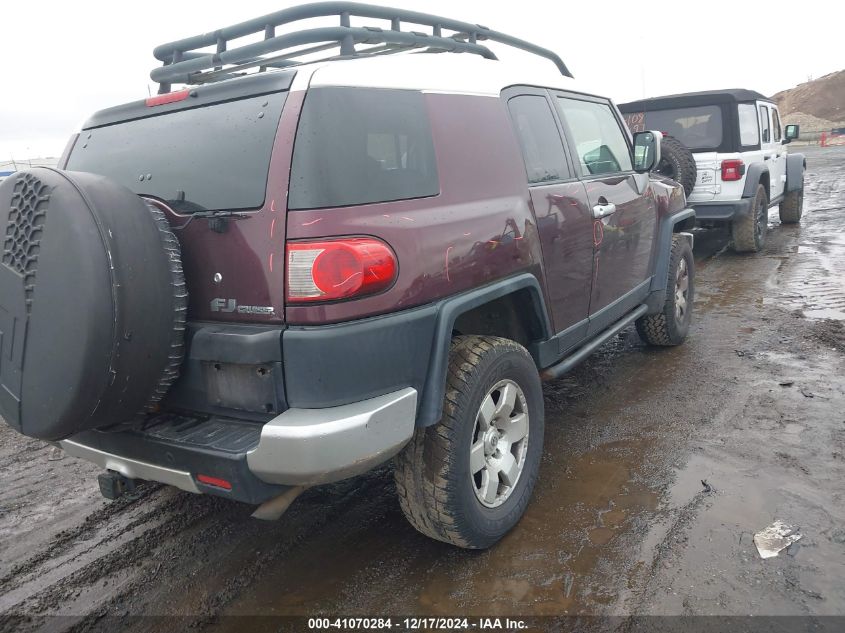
[
  {"x": 677, "y": 163},
  {"x": 92, "y": 303}
]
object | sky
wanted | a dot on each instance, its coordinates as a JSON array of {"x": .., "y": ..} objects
[{"x": 61, "y": 61}]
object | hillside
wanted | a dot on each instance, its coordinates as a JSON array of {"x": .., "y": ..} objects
[{"x": 816, "y": 105}]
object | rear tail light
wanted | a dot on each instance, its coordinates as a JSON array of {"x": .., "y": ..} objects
[
  {"x": 329, "y": 270},
  {"x": 733, "y": 169}
]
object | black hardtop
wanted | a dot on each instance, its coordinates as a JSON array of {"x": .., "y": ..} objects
[{"x": 688, "y": 99}]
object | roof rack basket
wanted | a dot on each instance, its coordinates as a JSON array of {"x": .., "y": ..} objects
[{"x": 185, "y": 64}]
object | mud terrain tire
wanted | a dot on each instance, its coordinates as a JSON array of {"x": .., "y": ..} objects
[
  {"x": 92, "y": 303},
  {"x": 749, "y": 232},
  {"x": 791, "y": 208},
  {"x": 437, "y": 491},
  {"x": 677, "y": 163},
  {"x": 671, "y": 325}
]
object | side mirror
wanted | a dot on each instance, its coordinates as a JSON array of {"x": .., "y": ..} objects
[
  {"x": 790, "y": 134},
  {"x": 646, "y": 150}
]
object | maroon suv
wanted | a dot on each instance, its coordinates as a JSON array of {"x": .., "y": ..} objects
[{"x": 292, "y": 271}]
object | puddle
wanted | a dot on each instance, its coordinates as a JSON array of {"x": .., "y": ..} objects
[
  {"x": 814, "y": 279},
  {"x": 561, "y": 558}
]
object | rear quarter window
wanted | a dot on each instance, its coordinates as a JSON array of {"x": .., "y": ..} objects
[
  {"x": 360, "y": 146},
  {"x": 749, "y": 131}
]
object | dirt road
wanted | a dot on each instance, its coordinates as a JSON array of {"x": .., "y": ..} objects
[{"x": 659, "y": 467}]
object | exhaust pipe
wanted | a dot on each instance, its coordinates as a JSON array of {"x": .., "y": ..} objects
[{"x": 274, "y": 508}]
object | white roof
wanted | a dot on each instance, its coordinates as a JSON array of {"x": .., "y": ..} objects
[{"x": 461, "y": 73}]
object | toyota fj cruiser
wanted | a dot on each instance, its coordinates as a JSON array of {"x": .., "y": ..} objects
[
  {"x": 275, "y": 279},
  {"x": 742, "y": 164}
]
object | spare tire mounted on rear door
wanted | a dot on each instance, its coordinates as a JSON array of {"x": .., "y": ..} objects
[
  {"x": 92, "y": 303},
  {"x": 677, "y": 163}
]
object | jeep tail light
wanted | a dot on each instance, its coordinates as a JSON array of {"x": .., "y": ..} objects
[
  {"x": 329, "y": 270},
  {"x": 733, "y": 169}
]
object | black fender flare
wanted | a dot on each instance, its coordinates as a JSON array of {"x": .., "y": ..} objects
[
  {"x": 795, "y": 166},
  {"x": 752, "y": 178},
  {"x": 430, "y": 408},
  {"x": 657, "y": 289}
]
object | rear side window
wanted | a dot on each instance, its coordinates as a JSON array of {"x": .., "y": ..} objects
[
  {"x": 764, "y": 123},
  {"x": 360, "y": 146},
  {"x": 697, "y": 127},
  {"x": 208, "y": 158},
  {"x": 599, "y": 140},
  {"x": 749, "y": 132},
  {"x": 539, "y": 138}
]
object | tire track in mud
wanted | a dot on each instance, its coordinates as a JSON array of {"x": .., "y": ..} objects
[
  {"x": 67, "y": 539},
  {"x": 812, "y": 279},
  {"x": 180, "y": 512},
  {"x": 186, "y": 541}
]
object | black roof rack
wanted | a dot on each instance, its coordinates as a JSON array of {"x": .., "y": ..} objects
[{"x": 184, "y": 64}]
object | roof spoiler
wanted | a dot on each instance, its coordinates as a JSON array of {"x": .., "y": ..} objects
[{"x": 184, "y": 64}]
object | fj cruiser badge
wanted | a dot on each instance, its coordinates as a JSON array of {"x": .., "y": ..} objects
[{"x": 231, "y": 305}]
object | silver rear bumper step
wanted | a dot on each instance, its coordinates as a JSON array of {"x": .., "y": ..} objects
[
  {"x": 131, "y": 468},
  {"x": 315, "y": 446}
]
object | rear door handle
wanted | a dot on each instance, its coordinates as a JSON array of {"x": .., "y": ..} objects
[{"x": 603, "y": 210}]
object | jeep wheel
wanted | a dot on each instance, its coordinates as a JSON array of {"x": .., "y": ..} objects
[
  {"x": 468, "y": 479},
  {"x": 749, "y": 232},
  {"x": 677, "y": 163},
  {"x": 792, "y": 207},
  {"x": 671, "y": 325},
  {"x": 92, "y": 300}
]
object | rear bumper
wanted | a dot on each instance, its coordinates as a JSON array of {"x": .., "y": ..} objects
[
  {"x": 256, "y": 462},
  {"x": 315, "y": 446},
  {"x": 722, "y": 211}
]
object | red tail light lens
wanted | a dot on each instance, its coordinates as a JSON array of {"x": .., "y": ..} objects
[
  {"x": 330, "y": 270},
  {"x": 214, "y": 481},
  {"x": 733, "y": 169}
]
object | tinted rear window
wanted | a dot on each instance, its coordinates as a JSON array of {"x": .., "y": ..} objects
[
  {"x": 359, "y": 146},
  {"x": 208, "y": 158},
  {"x": 698, "y": 127}
]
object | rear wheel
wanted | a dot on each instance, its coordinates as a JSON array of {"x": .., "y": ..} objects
[
  {"x": 792, "y": 207},
  {"x": 749, "y": 232},
  {"x": 468, "y": 479},
  {"x": 671, "y": 325}
]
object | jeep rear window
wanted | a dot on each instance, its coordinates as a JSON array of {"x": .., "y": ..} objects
[
  {"x": 359, "y": 146},
  {"x": 698, "y": 127},
  {"x": 208, "y": 158}
]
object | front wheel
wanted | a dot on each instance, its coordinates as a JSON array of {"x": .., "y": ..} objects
[
  {"x": 468, "y": 479},
  {"x": 671, "y": 325}
]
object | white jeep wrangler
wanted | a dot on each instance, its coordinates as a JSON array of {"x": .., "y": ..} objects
[{"x": 742, "y": 164}]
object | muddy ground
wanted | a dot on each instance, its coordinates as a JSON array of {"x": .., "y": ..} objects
[{"x": 659, "y": 467}]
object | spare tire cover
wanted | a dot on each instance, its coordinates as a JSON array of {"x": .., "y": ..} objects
[{"x": 87, "y": 303}]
